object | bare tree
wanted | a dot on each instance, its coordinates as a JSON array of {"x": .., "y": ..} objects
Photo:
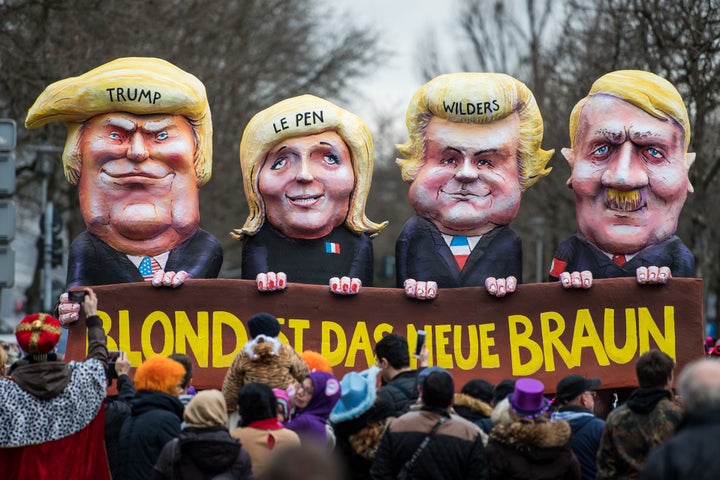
[{"x": 248, "y": 53}]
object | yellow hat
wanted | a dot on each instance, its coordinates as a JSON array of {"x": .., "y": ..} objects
[{"x": 136, "y": 85}]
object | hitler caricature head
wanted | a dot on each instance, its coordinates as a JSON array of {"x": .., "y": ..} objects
[
  {"x": 307, "y": 167},
  {"x": 474, "y": 147},
  {"x": 139, "y": 146},
  {"x": 629, "y": 159}
]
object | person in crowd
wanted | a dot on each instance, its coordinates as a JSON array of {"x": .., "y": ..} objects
[
  {"x": 284, "y": 404},
  {"x": 303, "y": 462},
  {"x": 118, "y": 409},
  {"x": 263, "y": 359},
  {"x": 474, "y": 147},
  {"x": 691, "y": 452},
  {"x": 629, "y": 162},
  {"x": 400, "y": 385},
  {"x": 204, "y": 450},
  {"x": 187, "y": 390},
  {"x": 316, "y": 361},
  {"x": 139, "y": 147},
  {"x": 260, "y": 432},
  {"x": 575, "y": 399},
  {"x": 359, "y": 421},
  {"x": 3, "y": 361},
  {"x": 474, "y": 402},
  {"x": 430, "y": 442},
  {"x": 524, "y": 443},
  {"x": 156, "y": 417},
  {"x": 307, "y": 167},
  {"x": 52, "y": 411},
  {"x": 315, "y": 398},
  {"x": 646, "y": 420}
]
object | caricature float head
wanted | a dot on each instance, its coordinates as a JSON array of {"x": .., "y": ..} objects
[
  {"x": 474, "y": 147},
  {"x": 630, "y": 161},
  {"x": 139, "y": 146},
  {"x": 307, "y": 167}
]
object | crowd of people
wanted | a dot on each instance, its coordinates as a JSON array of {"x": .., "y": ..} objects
[{"x": 278, "y": 416}]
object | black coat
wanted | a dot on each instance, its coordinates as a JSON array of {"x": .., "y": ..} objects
[
  {"x": 692, "y": 452},
  {"x": 203, "y": 453},
  {"x": 117, "y": 410},
  {"x": 421, "y": 253},
  {"x": 155, "y": 420}
]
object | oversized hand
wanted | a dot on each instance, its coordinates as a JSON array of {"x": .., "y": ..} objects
[
  {"x": 271, "y": 281},
  {"x": 653, "y": 275},
  {"x": 499, "y": 287},
  {"x": 576, "y": 279},
  {"x": 68, "y": 312},
  {"x": 169, "y": 279},
  {"x": 345, "y": 285},
  {"x": 420, "y": 290}
]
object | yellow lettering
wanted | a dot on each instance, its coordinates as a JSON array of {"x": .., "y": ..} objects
[
  {"x": 360, "y": 342},
  {"x": 106, "y": 325},
  {"x": 648, "y": 328},
  {"x": 627, "y": 352},
  {"x": 444, "y": 359},
  {"x": 381, "y": 330},
  {"x": 334, "y": 356},
  {"x": 469, "y": 362},
  {"x": 551, "y": 339},
  {"x": 487, "y": 359},
  {"x": 146, "y": 334},
  {"x": 584, "y": 323},
  {"x": 298, "y": 326},
  {"x": 219, "y": 320},
  {"x": 520, "y": 340},
  {"x": 135, "y": 357},
  {"x": 199, "y": 340}
]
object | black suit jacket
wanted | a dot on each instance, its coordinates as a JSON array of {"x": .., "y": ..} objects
[
  {"x": 94, "y": 262},
  {"x": 421, "y": 253}
]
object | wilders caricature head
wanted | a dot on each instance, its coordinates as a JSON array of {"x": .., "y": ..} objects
[
  {"x": 306, "y": 121},
  {"x": 474, "y": 147},
  {"x": 629, "y": 159},
  {"x": 139, "y": 146}
]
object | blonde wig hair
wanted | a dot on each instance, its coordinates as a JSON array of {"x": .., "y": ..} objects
[
  {"x": 135, "y": 85},
  {"x": 647, "y": 91},
  {"x": 302, "y": 116},
  {"x": 476, "y": 98}
]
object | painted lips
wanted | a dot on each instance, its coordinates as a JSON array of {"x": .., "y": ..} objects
[{"x": 305, "y": 200}]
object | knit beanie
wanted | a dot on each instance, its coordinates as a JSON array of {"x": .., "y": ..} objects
[
  {"x": 206, "y": 409},
  {"x": 263, "y": 324},
  {"x": 37, "y": 335}
]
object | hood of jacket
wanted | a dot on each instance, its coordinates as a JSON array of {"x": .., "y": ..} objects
[
  {"x": 44, "y": 380},
  {"x": 262, "y": 347},
  {"x": 474, "y": 405},
  {"x": 645, "y": 399},
  {"x": 212, "y": 449},
  {"x": 326, "y": 393},
  {"x": 528, "y": 435},
  {"x": 148, "y": 400}
]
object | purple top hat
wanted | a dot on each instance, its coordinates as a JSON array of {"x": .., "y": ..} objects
[{"x": 528, "y": 400}]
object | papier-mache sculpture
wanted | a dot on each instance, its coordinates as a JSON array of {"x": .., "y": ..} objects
[
  {"x": 629, "y": 159},
  {"x": 307, "y": 168},
  {"x": 474, "y": 147},
  {"x": 139, "y": 147}
]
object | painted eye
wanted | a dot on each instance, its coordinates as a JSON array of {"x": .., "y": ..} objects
[
  {"x": 278, "y": 163},
  {"x": 162, "y": 136},
  {"x": 331, "y": 159},
  {"x": 655, "y": 153},
  {"x": 482, "y": 163},
  {"x": 448, "y": 161},
  {"x": 601, "y": 151},
  {"x": 114, "y": 136}
]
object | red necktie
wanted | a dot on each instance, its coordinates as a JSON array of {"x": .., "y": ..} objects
[{"x": 619, "y": 259}]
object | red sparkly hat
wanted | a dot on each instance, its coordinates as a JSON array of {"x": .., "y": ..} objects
[{"x": 38, "y": 333}]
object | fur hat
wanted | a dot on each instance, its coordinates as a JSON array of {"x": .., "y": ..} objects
[
  {"x": 527, "y": 400},
  {"x": 357, "y": 395},
  {"x": 316, "y": 362},
  {"x": 37, "y": 334},
  {"x": 263, "y": 324}
]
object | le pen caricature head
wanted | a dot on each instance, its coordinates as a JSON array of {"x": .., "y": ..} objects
[
  {"x": 476, "y": 98},
  {"x": 301, "y": 116},
  {"x": 136, "y": 85}
]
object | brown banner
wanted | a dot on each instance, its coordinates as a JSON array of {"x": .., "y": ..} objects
[{"x": 541, "y": 330}]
